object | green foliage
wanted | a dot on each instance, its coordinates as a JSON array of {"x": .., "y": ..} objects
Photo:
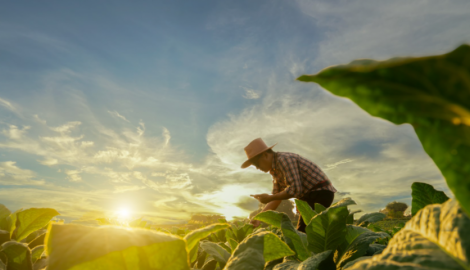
[
  {"x": 305, "y": 210},
  {"x": 431, "y": 93},
  {"x": 29, "y": 220},
  {"x": 371, "y": 217},
  {"x": 193, "y": 238},
  {"x": 435, "y": 238},
  {"x": 4, "y": 220},
  {"x": 327, "y": 230},
  {"x": 18, "y": 256},
  {"x": 313, "y": 262},
  {"x": 80, "y": 247},
  {"x": 256, "y": 250},
  {"x": 343, "y": 202},
  {"x": 395, "y": 214},
  {"x": 424, "y": 194},
  {"x": 217, "y": 252},
  {"x": 397, "y": 206},
  {"x": 37, "y": 253},
  {"x": 290, "y": 234}
]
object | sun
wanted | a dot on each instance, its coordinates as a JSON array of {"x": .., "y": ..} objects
[{"x": 123, "y": 214}]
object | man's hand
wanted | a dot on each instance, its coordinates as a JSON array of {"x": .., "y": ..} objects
[
  {"x": 255, "y": 223},
  {"x": 262, "y": 198}
]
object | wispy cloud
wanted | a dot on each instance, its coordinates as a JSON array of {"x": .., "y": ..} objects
[
  {"x": 250, "y": 93},
  {"x": 116, "y": 114},
  {"x": 11, "y": 174},
  {"x": 6, "y": 104}
]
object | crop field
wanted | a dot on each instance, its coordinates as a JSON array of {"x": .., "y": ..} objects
[{"x": 430, "y": 93}]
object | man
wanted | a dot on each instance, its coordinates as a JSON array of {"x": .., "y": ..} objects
[{"x": 293, "y": 177}]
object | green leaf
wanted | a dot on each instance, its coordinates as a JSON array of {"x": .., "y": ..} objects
[
  {"x": 4, "y": 236},
  {"x": 32, "y": 219},
  {"x": 18, "y": 254},
  {"x": 350, "y": 219},
  {"x": 305, "y": 210},
  {"x": 193, "y": 238},
  {"x": 356, "y": 245},
  {"x": 270, "y": 217},
  {"x": 256, "y": 250},
  {"x": 36, "y": 253},
  {"x": 344, "y": 202},
  {"x": 319, "y": 208},
  {"x": 424, "y": 194},
  {"x": 312, "y": 262},
  {"x": 371, "y": 217},
  {"x": 327, "y": 230},
  {"x": 244, "y": 231},
  {"x": 78, "y": 247},
  {"x": 290, "y": 234},
  {"x": 435, "y": 238},
  {"x": 37, "y": 241},
  {"x": 4, "y": 222},
  {"x": 217, "y": 252},
  {"x": 233, "y": 244},
  {"x": 431, "y": 93}
]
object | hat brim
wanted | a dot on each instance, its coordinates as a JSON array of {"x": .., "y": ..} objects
[{"x": 248, "y": 163}]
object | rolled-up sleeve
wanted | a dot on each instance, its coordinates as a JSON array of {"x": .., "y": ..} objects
[
  {"x": 276, "y": 187},
  {"x": 291, "y": 171}
]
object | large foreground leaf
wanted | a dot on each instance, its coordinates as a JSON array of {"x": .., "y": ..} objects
[
  {"x": 216, "y": 251},
  {"x": 291, "y": 235},
  {"x": 327, "y": 230},
  {"x": 81, "y": 247},
  {"x": 32, "y": 219},
  {"x": 195, "y": 236},
  {"x": 256, "y": 250},
  {"x": 430, "y": 93},
  {"x": 4, "y": 213},
  {"x": 305, "y": 210},
  {"x": 18, "y": 254},
  {"x": 424, "y": 194},
  {"x": 435, "y": 238}
]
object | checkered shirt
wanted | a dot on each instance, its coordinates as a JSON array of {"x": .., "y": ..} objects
[{"x": 297, "y": 175}]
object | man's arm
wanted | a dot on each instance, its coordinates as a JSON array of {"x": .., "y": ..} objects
[{"x": 267, "y": 198}]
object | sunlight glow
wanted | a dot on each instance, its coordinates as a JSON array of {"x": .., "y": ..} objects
[{"x": 123, "y": 214}]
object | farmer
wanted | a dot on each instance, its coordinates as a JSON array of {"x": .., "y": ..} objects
[{"x": 293, "y": 177}]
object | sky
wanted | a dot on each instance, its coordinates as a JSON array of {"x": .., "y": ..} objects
[{"x": 109, "y": 105}]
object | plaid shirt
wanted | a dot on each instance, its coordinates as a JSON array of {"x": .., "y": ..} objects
[{"x": 297, "y": 175}]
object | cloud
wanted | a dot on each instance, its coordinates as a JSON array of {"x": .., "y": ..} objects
[
  {"x": 67, "y": 127},
  {"x": 6, "y": 104},
  {"x": 250, "y": 94},
  {"x": 334, "y": 165},
  {"x": 121, "y": 189},
  {"x": 10, "y": 174},
  {"x": 14, "y": 132},
  {"x": 116, "y": 114},
  {"x": 48, "y": 161},
  {"x": 73, "y": 175}
]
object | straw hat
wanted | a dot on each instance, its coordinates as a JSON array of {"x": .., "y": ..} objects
[{"x": 256, "y": 147}]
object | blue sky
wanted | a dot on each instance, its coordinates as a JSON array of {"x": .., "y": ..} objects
[{"x": 147, "y": 106}]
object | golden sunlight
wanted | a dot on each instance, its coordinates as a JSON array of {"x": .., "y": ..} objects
[{"x": 123, "y": 214}]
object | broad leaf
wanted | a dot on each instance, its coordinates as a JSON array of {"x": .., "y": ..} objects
[
  {"x": 256, "y": 250},
  {"x": 32, "y": 219},
  {"x": 319, "y": 208},
  {"x": 80, "y": 247},
  {"x": 327, "y": 230},
  {"x": 193, "y": 238},
  {"x": 290, "y": 234},
  {"x": 424, "y": 194},
  {"x": 350, "y": 219},
  {"x": 37, "y": 241},
  {"x": 435, "y": 238},
  {"x": 343, "y": 202},
  {"x": 244, "y": 231},
  {"x": 217, "y": 252},
  {"x": 431, "y": 93},
  {"x": 371, "y": 217},
  {"x": 4, "y": 236},
  {"x": 305, "y": 210},
  {"x": 36, "y": 253},
  {"x": 233, "y": 244},
  {"x": 4, "y": 222},
  {"x": 18, "y": 254},
  {"x": 312, "y": 262},
  {"x": 356, "y": 245}
]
